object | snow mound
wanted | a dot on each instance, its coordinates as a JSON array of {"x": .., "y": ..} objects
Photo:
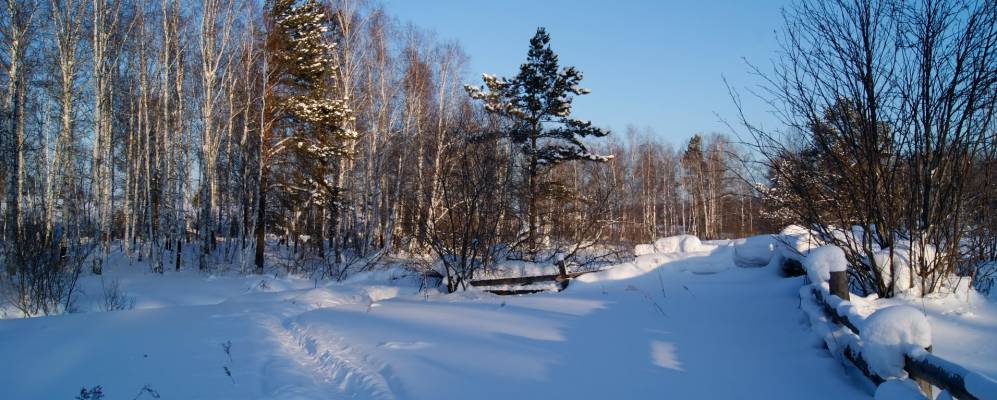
[
  {"x": 755, "y": 251},
  {"x": 898, "y": 389},
  {"x": 820, "y": 262},
  {"x": 640, "y": 266},
  {"x": 798, "y": 237},
  {"x": 681, "y": 244},
  {"x": 891, "y": 333},
  {"x": 643, "y": 249}
]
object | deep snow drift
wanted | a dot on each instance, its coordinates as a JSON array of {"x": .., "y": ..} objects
[{"x": 683, "y": 323}]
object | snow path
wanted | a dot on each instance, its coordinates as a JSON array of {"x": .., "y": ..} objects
[{"x": 695, "y": 327}]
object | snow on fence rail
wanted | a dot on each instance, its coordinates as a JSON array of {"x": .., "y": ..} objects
[
  {"x": 830, "y": 303},
  {"x": 519, "y": 285}
]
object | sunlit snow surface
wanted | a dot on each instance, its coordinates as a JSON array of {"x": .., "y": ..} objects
[{"x": 677, "y": 325}]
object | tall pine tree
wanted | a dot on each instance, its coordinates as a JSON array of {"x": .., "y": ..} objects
[
  {"x": 307, "y": 123},
  {"x": 537, "y": 105}
]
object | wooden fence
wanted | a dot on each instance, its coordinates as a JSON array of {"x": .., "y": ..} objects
[
  {"x": 924, "y": 368},
  {"x": 561, "y": 281}
]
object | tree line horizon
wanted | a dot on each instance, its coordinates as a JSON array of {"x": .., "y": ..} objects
[{"x": 152, "y": 126}]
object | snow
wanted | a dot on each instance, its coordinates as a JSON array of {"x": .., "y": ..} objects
[
  {"x": 638, "y": 267},
  {"x": 981, "y": 386},
  {"x": 896, "y": 267},
  {"x": 891, "y": 333},
  {"x": 643, "y": 249},
  {"x": 821, "y": 261},
  {"x": 898, "y": 389},
  {"x": 798, "y": 238},
  {"x": 668, "y": 331},
  {"x": 680, "y": 244},
  {"x": 833, "y": 336},
  {"x": 962, "y": 321},
  {"x": 665, "y": 325},
  {"x": 663, "y": 355},
  {"x": 898, "y": 271},
  {"x": 755, "y": 251},
  {"x": 515, "y": 268}
]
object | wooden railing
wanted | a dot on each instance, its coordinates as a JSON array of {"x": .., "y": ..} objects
[
  {"x": 561, "y": 280},
  {"x": 924, "y": 368}
]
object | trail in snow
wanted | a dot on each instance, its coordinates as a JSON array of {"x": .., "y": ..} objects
[{"x": 696, "y": 326}]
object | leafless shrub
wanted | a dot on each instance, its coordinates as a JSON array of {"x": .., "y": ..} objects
[
  {"x": 890, "y": 109},
  {"x": 41, "y": 271},
  {"x": 464, "y": 234},
  {"x": 116, "y": 299}
]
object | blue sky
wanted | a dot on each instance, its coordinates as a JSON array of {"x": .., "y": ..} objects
[{"x": 656, "y": 64}]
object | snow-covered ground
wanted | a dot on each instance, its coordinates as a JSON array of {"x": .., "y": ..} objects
[{"x": 668, "y": 325}]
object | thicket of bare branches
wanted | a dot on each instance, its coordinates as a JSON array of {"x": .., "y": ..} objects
[{"x": 890, "y": 109}]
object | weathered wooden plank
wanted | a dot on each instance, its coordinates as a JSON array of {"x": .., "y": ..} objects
[
  {"x": 946, "y": 375},
  {"x": 505, "y": 292},
  {"x": 831, "y": 313},
  {"x": 855, "y": 356},
  {"x": 526, "y": 280}
]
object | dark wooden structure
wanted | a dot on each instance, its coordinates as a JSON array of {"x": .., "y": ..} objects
[
  {"x": 562, "y": 279},
  {"x": 925, "y": 369}
]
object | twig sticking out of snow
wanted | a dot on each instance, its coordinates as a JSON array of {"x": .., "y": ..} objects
[{"x": 147, "y": 389}]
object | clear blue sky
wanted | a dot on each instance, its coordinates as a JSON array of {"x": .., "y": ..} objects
[{"x": 652, "y": 64}]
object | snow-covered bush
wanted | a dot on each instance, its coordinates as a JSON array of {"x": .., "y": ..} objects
[
  {"x": 906, "y": 268},
  {"x": 857, "y": 158},
  {"x": 891, "y": 333},
  {"x": 896, "y": 266},
  {"x": 820, "y": 262}
]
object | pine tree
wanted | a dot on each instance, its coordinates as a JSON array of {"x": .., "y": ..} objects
[
  {"x": 695, "y": 176},
  {"x": 537, "y": 106},
  {"x": 310, "y": 125}
]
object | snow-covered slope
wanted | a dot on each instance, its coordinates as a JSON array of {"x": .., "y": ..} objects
[{"x": 665, "y": 326}]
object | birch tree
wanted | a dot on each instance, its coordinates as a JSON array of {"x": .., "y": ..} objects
[
  {"x": 17, "y": 24},
  {"x": 105, "y": 22},
  {"x": 216, "y": 28}
]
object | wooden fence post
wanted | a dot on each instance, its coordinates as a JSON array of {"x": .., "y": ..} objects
[
  {"x": 839, "y": 285},
  {"x": 922, "y": 383},
  {"x": 562, "y": 279}
]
